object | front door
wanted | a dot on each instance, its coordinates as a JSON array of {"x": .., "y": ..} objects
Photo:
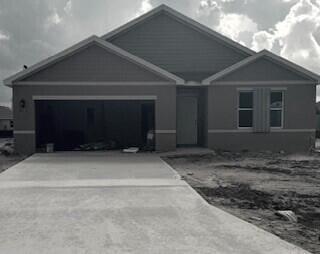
[{"x": 187, "y": 115}]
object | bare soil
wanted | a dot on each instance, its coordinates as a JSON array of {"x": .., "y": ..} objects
[{"x": 253, "y": 186}]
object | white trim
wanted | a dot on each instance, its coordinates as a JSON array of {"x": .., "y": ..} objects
[
  {"x": 293, "y": 130},
  {"x": 245, "y": 89},
  {"x": 246, "y": 130},
  {"x": 104, "y": 44},
  {"x": 250, "y": 130},
  {"x": 264, "y": 83},
  {"x": 94, "y": 97},
  {"x": 188, "y": 21},
  {"x": 264, "y": 53},
  {"x": 165, "y": 131},
  {"x": 84, "y": 83},
  {"x": 24, "y": 132}
]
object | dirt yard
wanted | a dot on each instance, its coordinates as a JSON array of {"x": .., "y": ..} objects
[{"x": 255, "y": 186}]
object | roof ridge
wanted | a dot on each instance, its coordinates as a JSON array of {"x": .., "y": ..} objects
[{"x": 187, "y": 20}]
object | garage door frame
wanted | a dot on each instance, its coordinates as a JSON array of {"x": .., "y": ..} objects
[{"x": 98, "y": 98}]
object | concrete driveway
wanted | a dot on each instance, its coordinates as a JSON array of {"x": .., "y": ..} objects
[{"x": 115, "y": 203}]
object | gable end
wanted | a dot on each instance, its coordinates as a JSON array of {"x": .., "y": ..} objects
[
  {"x": 178, "y": 44},
  {"x": 94, "y": 64}
]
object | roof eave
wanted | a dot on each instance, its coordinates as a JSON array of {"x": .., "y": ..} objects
[
  {"x": 248, "y": 60},
  {"x": 109, "y": 46}
]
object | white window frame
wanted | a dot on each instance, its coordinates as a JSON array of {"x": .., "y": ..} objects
[
  {"x": 277, "y": 109},
  {"x": 249, "y": 90}
]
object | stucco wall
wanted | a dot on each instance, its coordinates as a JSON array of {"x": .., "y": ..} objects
[
  {"x": 299, "y": 120},
  {"x": 165, "y": 108}
]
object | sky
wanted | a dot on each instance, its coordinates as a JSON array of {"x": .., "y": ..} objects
[{"x": 31, "y": 30}]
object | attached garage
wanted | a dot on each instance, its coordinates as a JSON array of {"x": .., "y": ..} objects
[
  {"x": 69, "y": 124},
  {"x": 94, "y": 92}
]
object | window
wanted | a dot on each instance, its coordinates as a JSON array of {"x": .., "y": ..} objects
[
  {"x": 276, "y": 109},
  {"x": 245, "y": 110}
]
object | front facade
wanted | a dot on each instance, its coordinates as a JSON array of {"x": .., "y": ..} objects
[{"x": 166, "y": 75}]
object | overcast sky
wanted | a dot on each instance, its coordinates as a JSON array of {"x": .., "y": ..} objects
[{"x": 31, "y": 30}]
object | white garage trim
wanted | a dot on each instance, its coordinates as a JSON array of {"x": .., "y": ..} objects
[
  {"x": 24, "y": 132},
  {"x": 94, "y": 97},
  {"x": 165, "y": 131}
]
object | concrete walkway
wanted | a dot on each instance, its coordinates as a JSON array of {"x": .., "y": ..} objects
[{"x": 114, "y": 203}]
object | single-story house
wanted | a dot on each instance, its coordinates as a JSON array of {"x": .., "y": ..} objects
[
  {"x": 6, "y": 122},
  {"x": 166, "y": 74}
]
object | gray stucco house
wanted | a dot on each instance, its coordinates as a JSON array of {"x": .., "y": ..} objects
[{"x": 164, "y": 73}]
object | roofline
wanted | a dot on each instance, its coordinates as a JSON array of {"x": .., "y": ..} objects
[
  {"x": 107, "y": 45},
  {"x": 285, "y": 63},
  {"x": 200, "y": 27}
]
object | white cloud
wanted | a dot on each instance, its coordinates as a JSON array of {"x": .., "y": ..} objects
[
  {"x": 206, "y": 7},
  {"x": 235, "y": 26},
  {"x": 68, "y": 8},
  {"x": 262, "y": 40},
  {"x": 296, "y": 35},
  {"x": 4, "y": 37},
  {"x": 52, "y": 20},
  {"x": 144, "y": 7},
  {"x": 232, "y": 25}
]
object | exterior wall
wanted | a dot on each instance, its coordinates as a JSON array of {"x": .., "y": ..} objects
[
  {"x": 165, "y": 108},
  {"x": 299, "y": 120},
  {"x": 95, "y": 64},
  {"x": 264, "y": 70},
  {"x": 167, "y": 42}
]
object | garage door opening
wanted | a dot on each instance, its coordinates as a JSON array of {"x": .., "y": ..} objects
[{"x": 116, "y": 123}]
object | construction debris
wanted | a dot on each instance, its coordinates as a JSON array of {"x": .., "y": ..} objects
[
  {"x": 97, "y": 146},
  {"x": 7, "y": 148},
  {"x": 288, "y": 215},
  {"x": 131, "y": 150}
]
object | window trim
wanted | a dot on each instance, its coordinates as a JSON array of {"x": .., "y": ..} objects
[
  {"x": 244, "y": 90},
  {"x": 277, "y": 109}
]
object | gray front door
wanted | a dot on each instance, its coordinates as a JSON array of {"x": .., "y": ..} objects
[{"x": 187, "y": 114}]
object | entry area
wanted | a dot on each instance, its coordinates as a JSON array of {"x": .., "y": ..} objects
[
  {"x": 191, "y": 116},
  {"x": 69, "y": 124}
]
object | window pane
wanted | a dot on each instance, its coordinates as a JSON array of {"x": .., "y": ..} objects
[
  {"x": 246, "y": 100},
  {"x": 275, "y": 118},
  {"x": 276, "y": 100},
  {"x": 245, "y": 118}
]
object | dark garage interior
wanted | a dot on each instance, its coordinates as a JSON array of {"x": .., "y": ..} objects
[{"x": 71, "y": 124}]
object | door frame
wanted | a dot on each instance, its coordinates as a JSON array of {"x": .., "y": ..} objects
[{"x": 194, "y": 93}]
